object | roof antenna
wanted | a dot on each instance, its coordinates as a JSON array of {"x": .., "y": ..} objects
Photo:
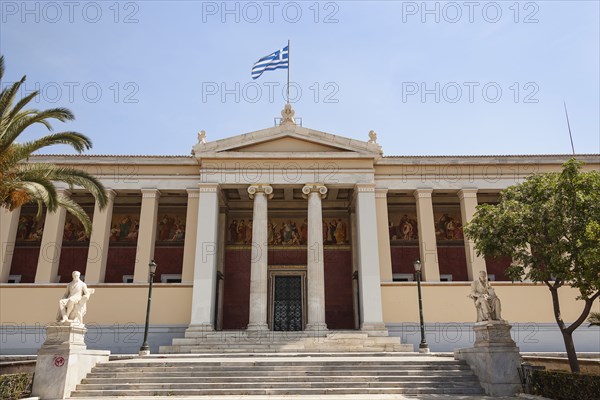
[{"x": 569, "y": 126}]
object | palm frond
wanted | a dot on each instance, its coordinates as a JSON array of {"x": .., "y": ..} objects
[{"x": 75, "y": 209}]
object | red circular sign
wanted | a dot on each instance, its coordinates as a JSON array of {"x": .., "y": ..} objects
[{"x": 59, "y": 361}]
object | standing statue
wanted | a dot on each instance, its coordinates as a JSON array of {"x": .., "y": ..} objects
[
  {"x": 486, "y": 301},
  {"x": 72, "y": 306}
]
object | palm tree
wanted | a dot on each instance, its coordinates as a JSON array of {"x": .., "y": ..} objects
[{"x": 24, "y": 182}]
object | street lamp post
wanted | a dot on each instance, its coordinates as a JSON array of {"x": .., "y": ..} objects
[
  {"x": 423, "y": 347},
  {"x": 145, "y": 349}
]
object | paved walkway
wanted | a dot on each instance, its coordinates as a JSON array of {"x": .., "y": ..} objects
[{"x": 339, "y": 397}]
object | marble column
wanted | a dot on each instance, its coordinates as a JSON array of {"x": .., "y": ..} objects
[
  {"x": 52, "y": 238},
  {"x": 95, "y": 269},
  {"x": 146, "y": 235},
  {"x": 427, "y": 241},
  {"x": 468, "y": 203},
  {"x": 205, "y": 265},
  {"x": 9, "y": 222},
  {"x": 189, "y": 244},
  {"x": 383, "y": 236},
  {"x": 369, "y": 278},
  {"x": 315, "y": 269},
  {"x": 258, "y": 264}
]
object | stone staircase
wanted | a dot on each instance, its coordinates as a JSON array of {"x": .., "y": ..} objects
[
  {"x": 271, "y": 341},
  {"x": 280, "y": 374}
]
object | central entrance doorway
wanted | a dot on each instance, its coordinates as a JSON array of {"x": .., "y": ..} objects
[{"x": 287, "y": 300}]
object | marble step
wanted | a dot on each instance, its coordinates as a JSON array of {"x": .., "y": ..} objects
[
  {"x": 280, "y": 392},
  {"x": 223, "y": 379},
  {"x": 267, "y": 374},
  {"x": 180, "y": 376},
  {"x": 274, "y": 385}
]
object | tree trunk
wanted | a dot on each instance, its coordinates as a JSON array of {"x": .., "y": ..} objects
[
  {"x": 567, "y": 333},
  {"x": 571, "y": 353}
]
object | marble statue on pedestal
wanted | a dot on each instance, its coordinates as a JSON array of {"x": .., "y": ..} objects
[
  {"x": 72, "y": 306},
  {"x": 486, "y": 302}
]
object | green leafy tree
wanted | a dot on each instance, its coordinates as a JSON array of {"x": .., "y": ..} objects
[
  {"x": 550, "y": 226},
  {"x": 594, "y": 319},
  {"x": 23, "y": 182}
]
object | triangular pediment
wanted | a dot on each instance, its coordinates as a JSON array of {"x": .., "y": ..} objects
[
  {"x": 287, "y": 144},
  {"x": 286, "y": 139}
]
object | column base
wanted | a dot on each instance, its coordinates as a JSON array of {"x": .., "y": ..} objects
[
  {"x": 199, "y": 330},
  {"x": 317, "y": 327},
  {"x": 374, "y": 329},
  {"x": 257, "y": 327}
]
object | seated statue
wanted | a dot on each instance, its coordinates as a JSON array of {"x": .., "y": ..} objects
[
  {"x": 72, "y": 306},
  {"x": 486, "y": 301}
]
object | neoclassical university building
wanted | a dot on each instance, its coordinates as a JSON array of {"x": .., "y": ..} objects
[{"x": 285, "y": 229}]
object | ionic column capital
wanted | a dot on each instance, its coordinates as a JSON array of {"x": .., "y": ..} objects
[
  {"x": 314, "y": 188},
  {"x": 260, "y": 188},
  {"x": 364, "y": 187}
]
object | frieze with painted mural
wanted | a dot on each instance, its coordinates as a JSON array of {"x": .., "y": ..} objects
[
  {"x": 402, "y": 225},
  {"x": 171, "y": 226},
  {"x": 125, "y": 227},
  {"x": 29, "y": 228},
  {"x": 448, "y": 225},
  {"x": 289, "y": 231}
]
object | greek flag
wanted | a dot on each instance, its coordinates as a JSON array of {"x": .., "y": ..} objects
[{"x": 276, "y": 60}]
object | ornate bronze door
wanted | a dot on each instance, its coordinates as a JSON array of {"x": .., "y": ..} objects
[{"x": 287, "y": 303}]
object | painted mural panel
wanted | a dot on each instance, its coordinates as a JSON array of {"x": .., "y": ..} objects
[
  {"x": 29, "y": 228},
  {"x": 125, "y": 226},
  {"x": 171, "y": 226},
  {"x": 448, "y": 223},
  {"x": 74, "y": 232},
  {"x": 402, "y": 224},
  {"x": 292, "y": 231}
]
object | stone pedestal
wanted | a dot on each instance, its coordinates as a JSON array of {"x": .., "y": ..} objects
[
  {"x": 494, "y": 358},
  {"x": 63, "y": 361}
]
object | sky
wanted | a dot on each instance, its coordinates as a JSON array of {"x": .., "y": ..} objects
[{"x": 431, "y": 78}]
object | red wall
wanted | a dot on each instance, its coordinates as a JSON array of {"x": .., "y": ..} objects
[
  {"x": 236, "y": 292},
  {"x": 24, "y": 262},
  {"x": 120, "y": 261},
  {"x": 403, "y": 259},
  {"x": 497, "y": 266},
  {"x": 339, "y": 302},
  {"x": 72, "y": 259},
  {"x": 169, "y": 260},
  {"x": 452, "y": 260},
  {"x": 339, "y": 312}
]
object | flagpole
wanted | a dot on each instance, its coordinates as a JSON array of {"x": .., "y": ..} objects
[{"x": 288, "y": 74}]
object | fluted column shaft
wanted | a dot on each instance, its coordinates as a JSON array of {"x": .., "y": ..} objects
[
  {"x": 259, "y": 265},
  {"x": 315, "y": 269}
]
